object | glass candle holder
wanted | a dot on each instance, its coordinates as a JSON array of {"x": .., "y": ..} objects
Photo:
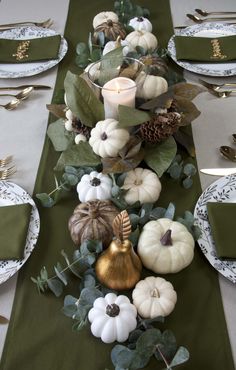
[{"x": 116, "y": 85}]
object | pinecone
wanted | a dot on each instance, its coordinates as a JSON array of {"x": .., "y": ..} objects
[
  {"x": 174, "y": 106},
  {"x": 79, "y": 128},
  {"x": 160, "y": 127}
]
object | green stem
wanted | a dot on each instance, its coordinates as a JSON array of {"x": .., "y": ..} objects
[
  {"x": 57, "y": 188},
  {"x": 163, "y": 357}
]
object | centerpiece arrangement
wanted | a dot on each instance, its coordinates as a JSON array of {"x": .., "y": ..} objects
[{"x": 117, "y": 132}]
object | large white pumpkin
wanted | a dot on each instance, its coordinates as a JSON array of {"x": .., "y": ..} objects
[
  {"x": 113, "y": 318},
  {"x": 145, "y": 39},
  {"x": 95, "y": 185},
  {"x": 165, "y": 246},
  {"x": 107, "y": 139},
  {"x": 142, "y": 185},
  {"x": 154, "y": 296},
  {"x": 149, "y": 86}
]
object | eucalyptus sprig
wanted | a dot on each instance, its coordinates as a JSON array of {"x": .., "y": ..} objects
[
  {"x": 87, "y": 53},
  {"x": 126, "y": 10},
  {"x": 178, "y": 170}
]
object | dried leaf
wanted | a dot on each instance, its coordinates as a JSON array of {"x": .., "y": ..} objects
[
  {"x": 57, "y": 109},
  {"x": 120, "y": 165},
  {"x": 188, "y": 109},
  {"x": 187, "y": 91},
  {"x": 122, "y": 226},
  {"x": 132, "y": 148},
  {"x": 3, "y": 320},
  {"x": 186, "y": 140}
]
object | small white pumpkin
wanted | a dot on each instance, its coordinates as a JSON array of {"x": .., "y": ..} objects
[
  {"x": 106, "y": 139},
  {"x": 111, "y": 45},
  {"x": 154, "y": 296},
  {"x": 149, "y": 86},
  {"x": 96, "y": 185},
  {"x": 79, "y": 138},
  {"x": 142, "y": 185},
  {"x": 140, "y": 24},
  {"x": 145, "y": 39},
  {"x": 165, "y": 246},
  {"x": 93, "y": 71},
  {"x": 112, "y": 318},
  {"x": 104, "y": 17}
]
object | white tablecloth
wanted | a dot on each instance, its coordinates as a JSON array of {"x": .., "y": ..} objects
[{"x": 23, "y": 130}]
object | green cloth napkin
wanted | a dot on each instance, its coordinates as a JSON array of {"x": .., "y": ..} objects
[
  {"x": 31, "y": 50},
  {"x": 14, "y": 224},
  {"x": 205, "y": 49},
  {"x": 222, "y": 218}
]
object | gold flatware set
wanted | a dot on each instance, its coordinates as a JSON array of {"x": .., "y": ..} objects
[
  {"x": 205, "y": 18},
  {"x": 5, "y": 171},
  {"x": 45, "y": 24},
  {"x": 220, "y": 90}
]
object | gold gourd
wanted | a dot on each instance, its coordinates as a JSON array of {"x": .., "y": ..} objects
[{"x": 119, "y": 267}]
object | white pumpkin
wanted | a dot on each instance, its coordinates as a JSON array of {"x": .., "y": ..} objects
[
  {"x": 140, "y": 24},
  {"x": 154, "y": 296},
  {"x": 149, "y": 86},
  {"x": 165, "y": 246},
  {"x": 142, "y": 185},
  {"x": 96, "y": 185},
  {"x": 111, "y": 45},
  {"x": 104, "y": 17},
  {"x": 145, "y": 39},
  {"x": 79, "y": 138},
  {"x": 106, "y": 139},
  {"x": 112, "y": 318},
  {"x": 93, "y": 71}
]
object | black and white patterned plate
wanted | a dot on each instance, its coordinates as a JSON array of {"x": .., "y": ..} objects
[
  {"x": 222, "y": 190},
  {"x": 11, "y": 194},
  {"x": 16, "y": 70},
  {"x": 205, "y": 30}
]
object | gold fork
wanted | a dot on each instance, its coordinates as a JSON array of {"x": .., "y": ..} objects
[
  {"x": 45, "y": 24},
  {"x": 5, "y": 174},
  {"x": 5, "y": 161}
]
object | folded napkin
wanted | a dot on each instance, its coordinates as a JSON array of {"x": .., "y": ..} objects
[
  {"x": 222, "y": 218},
  {"x": 30, "y": 50},
  {"x": 14, "y": 224},
  {"x": 206, "y": 49}
]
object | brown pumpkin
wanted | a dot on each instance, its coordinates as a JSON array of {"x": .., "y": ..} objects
[
  {"x": 93, "y": 221},
  {"x": 154, "y": 65},
  {"x": 111, "y": 30}
]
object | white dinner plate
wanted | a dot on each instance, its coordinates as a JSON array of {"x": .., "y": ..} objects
[
  {"x": 16, "y": 70},
  {"x": 222, "y": 190},
  {"x": 11, "y": 194},
  {"x": 205, "y": 30}
]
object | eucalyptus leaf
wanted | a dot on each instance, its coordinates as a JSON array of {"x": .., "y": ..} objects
[
  {"x": 134, "y": 236},
  {"x": 181, "y": 356},
  {"x": 175, "y": 170},
  {"x": 147, "y": 342},
  {"x": 45, "y": 200},
  {"x": 88, "y": 295},
  {"x": 89, "y": 281},
  {"x": 78, "y": 155},
  {"x": 70, "y": 300},
  {"x": 55, "y": 286},
  {"x": 167, "y": 346},
  {"x": 61, "y": 276},
  {"x": 157, "y": 213},
  {"x": 129, "y": 116},
  {"x": 189, "y": 169},
  {"x": 69, "y": 310},
  {"x": 82, "y": 100},
  {"x": 170, "y": 212},
  {"x": 159, "y": 156},
  {"x": 57, "y": 134},
  {"x": 122, "y": 356},
  {"x": 187, "y": 183}
]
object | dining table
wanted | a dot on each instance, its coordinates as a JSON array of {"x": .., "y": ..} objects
[{"x": 38, "y": 335}]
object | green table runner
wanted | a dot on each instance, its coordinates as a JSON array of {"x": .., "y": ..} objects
[{"x": 39, "y": 335}]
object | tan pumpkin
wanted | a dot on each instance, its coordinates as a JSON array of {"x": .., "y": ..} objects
[
  {"x": 104, "y": 17},
  {"x": 111, "y": 31},
  {"x": 93, "y": 221},
  {"x": 145, "y": 39}
]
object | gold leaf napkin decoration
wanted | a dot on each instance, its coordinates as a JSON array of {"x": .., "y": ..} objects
[
  {"x": 205, "y": 49},
  {"x": 30, "y": 50}
]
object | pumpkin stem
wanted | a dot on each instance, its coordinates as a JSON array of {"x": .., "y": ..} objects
[
  {"x": 166, "y": 238},
  {"x": 140, "y": 19},
  {"x": 110, "y": 23},
  {"x": 155, "y": 293},
  {"x": 112, "y": 310},
  {"x": 103, "y": 136},
  {"x": 95, "y": 181},
  {"x": 118, "y": 41}
]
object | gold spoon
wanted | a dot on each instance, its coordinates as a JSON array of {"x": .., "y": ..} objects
[
  {"x": 11, "y": 105},
  {"x": 228, "y": 152},
  {"x": 22, "y": 94},
  {"x": 222, "y": 94},
  {"x": 200, "y": 20},
  {"x": 204, "y": 13}
]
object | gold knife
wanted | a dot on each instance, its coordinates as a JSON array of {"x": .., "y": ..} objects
[
  {"x": 20, "y": 87},
  {"x": 219, "y": 171}
]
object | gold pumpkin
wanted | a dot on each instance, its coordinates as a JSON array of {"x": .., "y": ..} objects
[
  {"x": 119, "y": 267},
  {"x": 93, "y": 221},
  {"x": 110, "y": 29}
]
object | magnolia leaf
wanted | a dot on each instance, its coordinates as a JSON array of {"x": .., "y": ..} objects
[
  {"x": 78, "y": 155},
  {"x": 82, "y": 101},
  {"x": 58, "y": 135},
  {"x": 120, "y": 165},
  {"x": 189, "y": 111},
  {"x": 110, "y": 64},
  {"x": 183, "y": 137},
  {"x": 187, "y": 91},
  {"x": 57, "y": 109},
  {"x": 159, "y": 156},
  {"x": 181, "y": 356},
  {"x": 131, "y": 117}
]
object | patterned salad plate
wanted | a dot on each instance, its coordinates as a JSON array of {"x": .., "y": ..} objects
[
  {"x": 222, "y": 190},
  {"x": 11, "y": 194},
  {"x": 16, "y": 70},
  {"x": 206, "y": 30}
]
